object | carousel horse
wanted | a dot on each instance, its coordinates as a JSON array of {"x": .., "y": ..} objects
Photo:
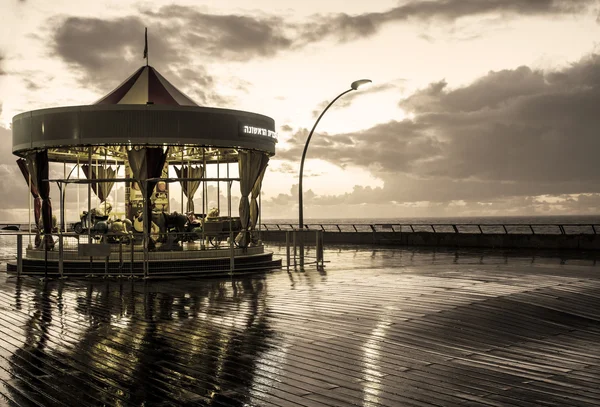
[{"x": 166, "y": 224}]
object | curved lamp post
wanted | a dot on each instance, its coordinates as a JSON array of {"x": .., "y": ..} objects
[{"x": 353, "y": 86}]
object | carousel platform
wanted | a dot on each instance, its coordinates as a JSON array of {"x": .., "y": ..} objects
[{"x": 127, "y": 261}]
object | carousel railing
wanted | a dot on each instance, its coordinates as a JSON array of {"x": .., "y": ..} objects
[
  {"x": 480, "y": 228},
  {"x": 122, "y": 253}
]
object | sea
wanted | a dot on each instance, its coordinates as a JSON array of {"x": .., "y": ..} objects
[{"x": 462, "y": 220}]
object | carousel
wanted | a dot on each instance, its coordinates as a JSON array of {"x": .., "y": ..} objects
[{"x": 143, "y": 138}]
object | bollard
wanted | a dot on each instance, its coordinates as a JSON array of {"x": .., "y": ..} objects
[
  {"x": 294, "y": 243},
  {"x": 320, "y": 256},
  {"x": 60, "y": 255},
  {"x": 287, "y": 249},
  {"x": 317, "y": 246},
  {"x": 19, "y": 254}
]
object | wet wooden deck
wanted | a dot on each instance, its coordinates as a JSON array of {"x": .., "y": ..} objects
[{"x": 381, "y": 327}]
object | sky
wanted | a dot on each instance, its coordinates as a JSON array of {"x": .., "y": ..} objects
[{"x": 477, "y": 107}]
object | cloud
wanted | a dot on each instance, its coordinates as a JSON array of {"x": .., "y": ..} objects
[
  {"x": 176, "y": 32},
  {"x": 233, "y": 36},
  {"x": 349, "y": 98},
  {"x": 104, "y": 52},
  {"x": 346, "y": 27},
  {"x": 517, "y": 132}
]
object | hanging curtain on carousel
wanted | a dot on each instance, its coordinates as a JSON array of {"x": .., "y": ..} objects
[
  {"x": 189, "y": 187},
  {"x": 37, "y": 165},
  {"x": 254, "y": 209},
  {"x": 251, "y": 164},
  {"x": 101, "y": 189},
  {"x": 147, "y": 163},
  {"x": 37, "y": 201}
]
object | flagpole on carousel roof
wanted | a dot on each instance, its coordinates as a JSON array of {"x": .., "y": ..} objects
[{"x": 146, "y": 45}]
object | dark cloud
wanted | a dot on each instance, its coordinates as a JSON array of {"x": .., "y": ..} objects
[
  {"x": 346, "y": 27},
  {"x": 233, "y": 37},
  {"x": 105, "y": 52},
  {"x": 175, "y": 31},
  {"x": 511, "y": 133}
]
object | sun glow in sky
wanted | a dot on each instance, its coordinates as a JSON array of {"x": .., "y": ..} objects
[{"x": 464, "y": 98}]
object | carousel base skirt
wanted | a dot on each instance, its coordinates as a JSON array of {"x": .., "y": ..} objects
[{"x": 123, "y": 262}]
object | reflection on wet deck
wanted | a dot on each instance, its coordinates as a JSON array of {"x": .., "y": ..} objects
[{"x": 382, "y": 327}]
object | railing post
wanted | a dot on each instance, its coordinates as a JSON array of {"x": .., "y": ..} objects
[
  {"x": 60, "y": 254},
  {"x": 433, "y": 228},
  {"x": 294, "y": 243},
  {"x": 287, "y": 249},
  {"x": 19, "y": 254},
  {"x": 562, "y": 229},
  {"x": 411, "y": 228},
  {"x": 354, "y": 226},
  {"x": 480, "y": 230},
  {"x": 455, "y": 228},
  {"x": 338, "y": 227},
  {"x": 505, "y": 231},
  {"x": 594, "y": 229},
  {"x": 319, "y": 248},
  {"x": 532, "y": 231}
]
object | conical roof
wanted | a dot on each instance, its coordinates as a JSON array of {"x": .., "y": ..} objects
[{"x": 146, "y": 85}]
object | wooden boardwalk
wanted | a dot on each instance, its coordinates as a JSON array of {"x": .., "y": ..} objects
[{"x": 378, "y": 327}]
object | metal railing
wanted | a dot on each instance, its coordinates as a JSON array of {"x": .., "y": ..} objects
[
  {"x": 118, "y": 254},
  {"x": 480, "y": 228}
]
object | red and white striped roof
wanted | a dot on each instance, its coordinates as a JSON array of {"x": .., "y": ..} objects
[{"x": 144, "y": 86}]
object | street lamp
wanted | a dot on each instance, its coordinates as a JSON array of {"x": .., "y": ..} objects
[{"x": 353, "y": 86}]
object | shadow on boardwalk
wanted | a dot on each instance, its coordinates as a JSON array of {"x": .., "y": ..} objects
[{"x": 377, "y": 327}]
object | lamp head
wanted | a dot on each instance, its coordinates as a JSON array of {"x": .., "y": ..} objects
[{"x": 357, "y": 84}]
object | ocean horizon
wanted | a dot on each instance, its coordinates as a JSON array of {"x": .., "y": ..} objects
[{"x": 470, "y": 220}]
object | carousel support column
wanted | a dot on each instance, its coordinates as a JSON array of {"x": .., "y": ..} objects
[
  {"x": 116, "y": 210},
  {"x": 62, "y": 208},
  {"x": 182, "y": 164},
  {"x": 60, "y": 230},
  {"x": 202, "y": 246},
  {"x": 219, "y": 184},
  {"x": 231, "y": 239},
  {"x": 105, "y": 173},
  {"x": 89, "y": 212},
  {"x": 77, "y": 185},
  {"x": 259, "y": 215},
  {"x": 147, "y": 227},
  {"x": 30, "y": 198},
  {"x": 97, "y": 185}
]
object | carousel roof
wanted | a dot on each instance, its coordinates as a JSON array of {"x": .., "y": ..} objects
[
  {"x": 145, "y": 110},
  {"x": 146, "y": 86}
]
